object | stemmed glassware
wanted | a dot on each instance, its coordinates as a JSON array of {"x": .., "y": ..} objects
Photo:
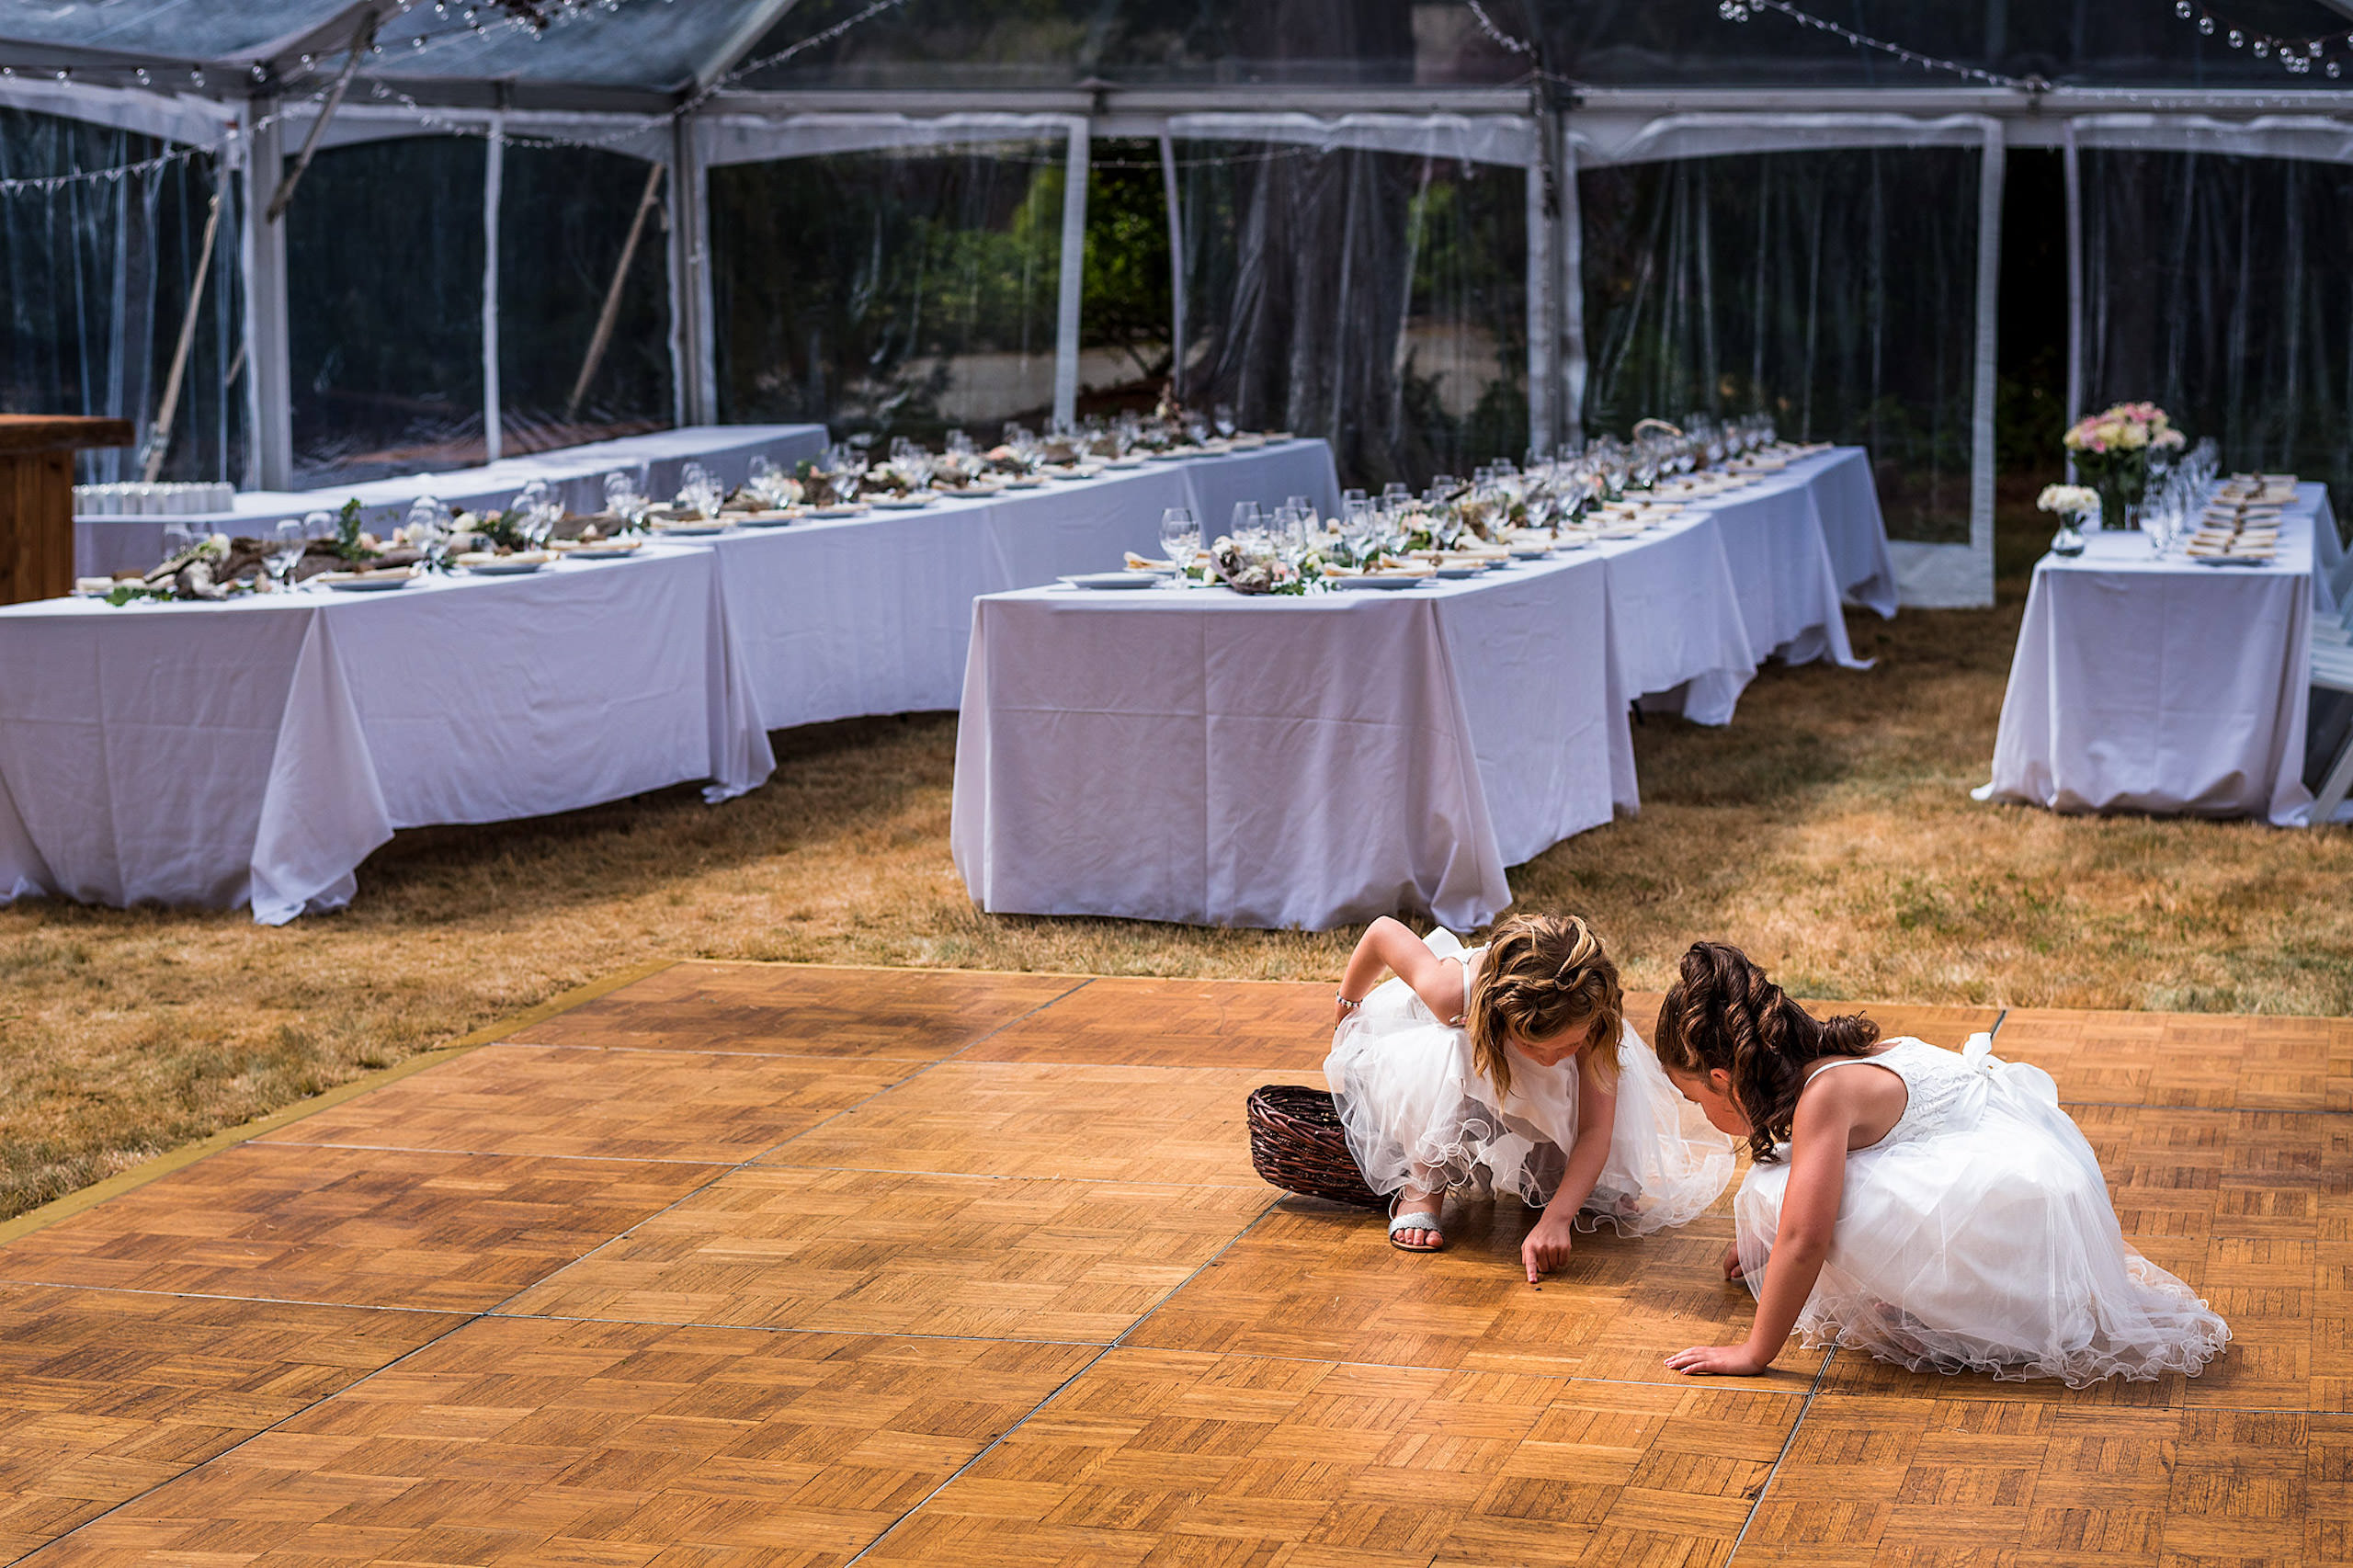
[
  {"x": 287, "y": 543},
  {"x": 698, "y": 492},
  {"x": 427, "y": 530},
  {"x": 1225, "y": 425},
  {"x": 1249, "y": 525},
  {"x": 1180, "y": 540}
]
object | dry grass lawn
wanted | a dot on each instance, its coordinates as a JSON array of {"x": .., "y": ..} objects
[{"x": 1828, "y": 830}]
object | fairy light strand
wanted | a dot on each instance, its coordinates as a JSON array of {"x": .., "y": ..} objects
[
  {"x": 2296, "y": 56},
  {"x": 1497, "y": 36},
  {"x": 1743, "y": 10}
]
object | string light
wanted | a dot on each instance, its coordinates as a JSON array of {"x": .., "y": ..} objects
[
  {"x": 1496, "y": 34},
  {"x": 631, "y": 132},
  {"x": 2298, "y": 56},
  {"x": 1743, "y": 10}
]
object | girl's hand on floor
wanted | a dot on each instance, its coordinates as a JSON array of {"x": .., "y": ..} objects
[
  {"x": 1718, "y": 1361},
  {"x": 1546, "y": 1246}
]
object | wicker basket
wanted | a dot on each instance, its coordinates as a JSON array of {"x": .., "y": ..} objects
[{"x": 1296, "y": 1143}]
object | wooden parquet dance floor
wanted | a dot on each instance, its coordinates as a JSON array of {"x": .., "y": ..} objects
[{"x": 748, "y": 1264}]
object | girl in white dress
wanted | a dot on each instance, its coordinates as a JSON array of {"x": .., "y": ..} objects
[
  {"x": 1936, "y": 1208},
  {"x": 1510, "y": 1068}
]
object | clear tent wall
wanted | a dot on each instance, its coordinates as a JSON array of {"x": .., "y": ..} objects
[
  {"x": 1425, "y": 288},
  {"x": 98, "y": 280}
]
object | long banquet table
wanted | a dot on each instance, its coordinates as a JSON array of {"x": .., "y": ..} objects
[
  {"x": 656, "y": 461},
  {"x": 1204, "y": 756},
  {"x": 2143, "y": 683},
  {"x": 256, "y": 750}
]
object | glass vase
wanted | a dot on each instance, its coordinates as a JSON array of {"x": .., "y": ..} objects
[{"x": 2068, "y": 541}]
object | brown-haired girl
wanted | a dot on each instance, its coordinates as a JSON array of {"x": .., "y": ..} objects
[
  {"x": 1936, "y": 1208},
  {"x": 1510, "y": 1068}
]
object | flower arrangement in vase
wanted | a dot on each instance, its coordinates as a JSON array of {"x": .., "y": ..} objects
[
  {"x": 2073, "y": 502},
  {"x": 2112, "y": 451}
]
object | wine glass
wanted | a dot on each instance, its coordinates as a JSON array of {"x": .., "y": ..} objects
[
  {"x": 1249, "y": 524},
  {"x": 287, "y": 543},
  {"x": 1180, "y": 538},
  {"x": 1304, "y": 506},
  {"x": 178, "y": 539},
  {"x": 1225, "y": 425}
]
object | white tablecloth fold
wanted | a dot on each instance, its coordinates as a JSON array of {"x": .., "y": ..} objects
[
  {"x": 1283, "y": 761},
  {"x": 1675, "y": 620},
  {"x": 1776, "y": 539},
  {"x": 2159, "y": 685}
]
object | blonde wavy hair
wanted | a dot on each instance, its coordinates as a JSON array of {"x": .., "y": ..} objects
[{"x": 1543, "y": 975}]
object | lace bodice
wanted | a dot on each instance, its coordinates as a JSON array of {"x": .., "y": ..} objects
[{"x": 1941, "y": 1088}]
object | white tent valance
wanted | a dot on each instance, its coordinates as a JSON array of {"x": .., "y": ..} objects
[
  {"x": 1603, "y": 140},
  {"x": 758, "y": 139},
  {"x": 1510, "y": 139}
]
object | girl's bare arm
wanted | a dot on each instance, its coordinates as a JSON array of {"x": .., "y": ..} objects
[{"x": 1390, "y": 944}]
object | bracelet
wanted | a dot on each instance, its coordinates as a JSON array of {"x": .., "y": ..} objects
[{"x": 1348, "y": 1004}]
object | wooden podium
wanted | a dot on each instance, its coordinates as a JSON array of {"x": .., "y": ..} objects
[{"x": 37, "y": 499}]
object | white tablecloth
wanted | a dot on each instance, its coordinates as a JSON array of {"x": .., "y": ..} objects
[
  {"x": 256, "y": 751},
  {"x": 1777, "y": 535},
  {"x": 2144, "y": 684},
  {"x": 1845, "y": 502},
  {"x": 1675, "y": 620},
  {"x": 106, "y": 545},
  {"x": 873, "y": 615},
  {"x": 1202, "y": 756}
]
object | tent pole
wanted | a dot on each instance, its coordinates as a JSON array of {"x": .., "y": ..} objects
[
  {"x": 1073, "y": 278},
  {"x": 1175, "y": 268},
  {"x": 695, "y": 395},
  {"x": 269, "y": 462},
  {"x": 1574, "y": 367},
  {"x": 1989, "y": 282},
  {"x": 2074, "y": 169},
  {"x": 1543, "y": 337},
  {"x": 606, "y": 317},
  {"x": 159, "y": 439},
  {"x": 494, "y": 434}
]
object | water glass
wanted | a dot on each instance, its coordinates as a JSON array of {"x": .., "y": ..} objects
[
  {"x": 287, "y": 541},
  {"x": 1180, "y": 538}
]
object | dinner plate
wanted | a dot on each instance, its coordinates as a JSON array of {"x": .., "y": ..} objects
[
  {"x": 1455, "y": 572},
  {"x": 371, "y": 583},
  {"x": 1028, "y": 482},
  {"x": 902, "y": 503},
  {"x": 1112, "y": 580},
  {"x": 1377, "y": 580},
  {"x": 516, "y": 566},
  {"x": 1530, "y": 552},
  {"x": 837, "y": 511},
  {"x": 607, "y": 551},
  {"x": 1173, "y": 457},
  {"x": 1125, "y": 462},
  {"x": 689, "y": 530}
]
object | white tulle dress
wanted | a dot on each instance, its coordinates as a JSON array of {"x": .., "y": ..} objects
[
  {"x": 1409, "y": 1095},
  {"x": 1978, "y": 1236}
]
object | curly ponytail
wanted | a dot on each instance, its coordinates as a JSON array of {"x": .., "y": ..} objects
[
  {"x": 1543, "y": 975},
  {"x": 1722, "y": 1013}
]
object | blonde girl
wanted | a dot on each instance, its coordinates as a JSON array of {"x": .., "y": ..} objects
[{"x": 1510, "y": 1069}]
